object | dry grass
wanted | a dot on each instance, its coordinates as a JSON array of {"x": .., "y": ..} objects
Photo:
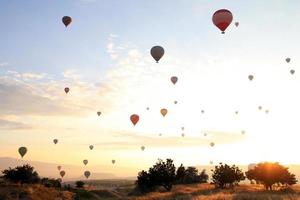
[
  {"x": 32, "y": 192},
  {"x": 207, "y": 192}
]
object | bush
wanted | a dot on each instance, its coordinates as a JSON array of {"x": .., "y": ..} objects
[
  {"x": 225, "y": 175},
  {"x": 191, "y": 176},
  {"x": 268, "y": 174},
  {"x": 79, "y": 184},
  {"x": 161, "y": 174},
  {"x": 21, "y": 174},
  {"x": 47, "y": 182}
]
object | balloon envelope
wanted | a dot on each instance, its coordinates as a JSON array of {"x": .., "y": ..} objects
[
  {"x": 157, "y": 52},
  {"x": 62, "y": 173},
  {"x": 250, "y": 77},
  {"x": 222, "y": 19},
  {"x": 91, "y": 147},
  {"x": 143, "y": 148},
  {"x": 98, "y": 113},
  {"x": 134, "y": 119},
  {"x": 287, "y": 60},
  {"x": 292, "y": 71},
  {"x": 58, "y": 168},
  {"x": 163, "y": 111},
  {"x": 22, "y": 151},
  {"x": 87, "y": 174},
  {"x": 55, "y": 141},
  {"x": 67, "y": 90},
  {"x": 66, "y": 20},
  {"x": 174, "y": 79},
  {"x": 212, "y": 144},
  {"x": 85, "y": 162},
  {"x": 175, "y": 102},
  {"x": 113, "y": 161},
  {"x": 236, "y": 24}
]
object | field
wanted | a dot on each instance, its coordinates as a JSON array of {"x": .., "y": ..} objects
[{"x": 123, "y": 190}]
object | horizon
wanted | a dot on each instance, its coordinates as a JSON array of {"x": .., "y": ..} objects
[{"x": 103, "y": 56}]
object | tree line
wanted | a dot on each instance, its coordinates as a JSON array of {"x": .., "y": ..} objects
[{"x": 165, "y": 174}]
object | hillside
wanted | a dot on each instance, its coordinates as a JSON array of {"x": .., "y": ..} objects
[{"x": 32, "y": 192}]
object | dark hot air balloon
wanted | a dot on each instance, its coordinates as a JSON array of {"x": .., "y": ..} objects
[
  {"x": 157, "y": 52},
  {"x": 22, "y": 151},
  {"x": 66, "y": 20}
]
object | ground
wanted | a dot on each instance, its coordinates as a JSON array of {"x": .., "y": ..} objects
[{"x": 122, "y": 190}]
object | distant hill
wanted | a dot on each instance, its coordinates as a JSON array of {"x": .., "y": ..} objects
[{"x": 73, "y": 172}]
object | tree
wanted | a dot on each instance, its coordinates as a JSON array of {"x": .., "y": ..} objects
[
  {"x": 161, "y": 174},
  {"x": 21, "y": 174},
  {"x": 79, "y": 184},
  {"x": 180, "y": 173},
  {"x": 225, "y": 175},
  {"x": 268, "y": 174}
]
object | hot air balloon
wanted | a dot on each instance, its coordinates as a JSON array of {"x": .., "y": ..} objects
[
  {"x": 62, "y": 173},
  {"x": 87, "y": 174},
  {"x": 251, "y": 166},
  {"x": 55, "y": 141},
  {"x": 175, "y": 102},
  {"x": 236, "y": 112},
  {"x": 98, "y": 113},
  {"x": 134, "y": 119},
  {"x": 292, "y": 71},
  {"x": 174, "y": 79},
  {"x": 182, "y": 128},
  {"x": 202, "y": 111},
  {"x": 22, "y": 151},
  {"x": 160, "y": 134},
  {"x": 147, "y": 108},
  {"x": 58, "y": 168},
  {"x": 143, "y": 148},
  {"x": 259, "y": 107},
  {"x": 67, "y": 90},
  {"x": 212, "y": 144},
  {"x": 182, "y": 134},
  {"x": 205, "y": 134},
  {"x": 211, "y": 162},
  {"x": 85, "y": 162},
  {"x": 243, "y": 132},
  {"x": 157, "y": 52},
  {"x": 222, "y": 19},
  {"x": 67, "y": 20},
  {"x": 163, "y": 111},
  {"x": 266, "y": 111},
  {"x": 287, "y": 60},
  {"x": 236, "y": 24},
  {"x": 250, "y": 77},
  {"x": 91, "y": 147},
  {"x": 113, "y": 161}
]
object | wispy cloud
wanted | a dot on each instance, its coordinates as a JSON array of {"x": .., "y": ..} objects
[
  {"x": 12, "y": 125},
  {"x": 3, "y": 64}
]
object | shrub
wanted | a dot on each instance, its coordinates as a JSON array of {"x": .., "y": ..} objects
[
  {"x": 225, "y": 175},
  {"x": 79, "y": 184},
  {"x": 48, "y": 182}
]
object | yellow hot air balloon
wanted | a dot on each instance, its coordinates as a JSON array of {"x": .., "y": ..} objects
[{"x": 163, "y": 111}]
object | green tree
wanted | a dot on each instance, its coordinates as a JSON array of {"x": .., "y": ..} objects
[
  {"x": 79, "y": 184},
  {"x": 180, "y": 173},
  {"x": 268, "y": 174},
  {"x": 225, "y": 175}
]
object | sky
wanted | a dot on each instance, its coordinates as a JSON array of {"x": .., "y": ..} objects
[{"x": 103, "y": 56}]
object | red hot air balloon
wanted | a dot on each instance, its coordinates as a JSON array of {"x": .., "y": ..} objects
[
  {"x": 134, "y": 119},
  {"x": 222, "y": 19}
]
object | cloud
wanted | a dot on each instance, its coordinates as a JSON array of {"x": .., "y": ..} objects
[
  {"x": 3, "y": 64},
  {"x": 12, "y": 125}
]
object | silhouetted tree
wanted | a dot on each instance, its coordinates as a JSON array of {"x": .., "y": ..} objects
[
  {"x": 225, "y": 175},
  {"x": 268, "y": 174},
  {"x": 79, "y": 184},
  {"x": 21, "y": 174},
  {"x": 161, "y": 174},
  {"x": 180, "y": 173}
]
